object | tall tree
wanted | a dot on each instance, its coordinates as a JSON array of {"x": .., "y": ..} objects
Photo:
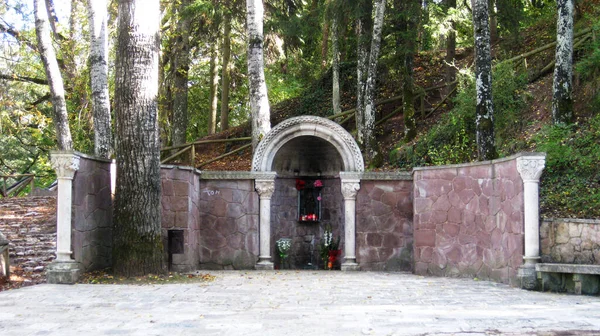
[
  {"x": 55, "y": 81},
  {"x": 369, "y": 126},
  {"x": 137, "y": 239},
  {"x": 451, "y": 49},
  {"x": 213, "y": 88},
  {"x": 98, "y": 59},
  {"x": 486, "y": 149},
  {"x": 562, "y": 100},
  {"x": 259, "y": 101},
  {"x": 180, "y": 68},
  {"x": 364, "y": 23},
  {"x": 407, "y": 26},
  {"x": 225, "y": 70},
  {"x": 335, "y": 66}
]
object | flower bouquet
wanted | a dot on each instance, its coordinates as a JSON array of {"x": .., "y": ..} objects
[
  {"x": 283, "y": 248},
  {"x": 329, "y": 248}
]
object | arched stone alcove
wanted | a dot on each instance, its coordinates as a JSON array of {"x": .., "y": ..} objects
[{"x": 308, "y": 146}]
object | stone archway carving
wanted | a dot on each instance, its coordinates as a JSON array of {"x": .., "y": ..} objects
[
  {"x": 353, "y": 166},
  {"x": 308, "y": 126}
]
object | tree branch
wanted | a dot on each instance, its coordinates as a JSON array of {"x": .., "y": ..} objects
[
  {"x": 17, "y": 35},
  {"x": 28, "y": 79}
]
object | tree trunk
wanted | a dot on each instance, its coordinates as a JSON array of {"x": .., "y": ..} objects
[
  {"x": 181, "y": 66},
  {"x": 493, "y": 21},
  {"x": 55, "y": 81},
  {"x": 369, "y": 127},
  {"x": 137, "y": 239},
  {"x": 335, "y": 67},
  {"x": 98, "y": 16},
  {"x": 259, "y": 101},
  {"x": 562, "y": 99},
  {"x": 410, "y": 47},
  {"x": 483, "y": 73},
  {"x": 213, "y": 93},
  {"x": 52, "y": 18},
  {"x": 324, "y": 42},
  {"x": 363, "y": 27},
  {"x": 225, "y": 71},
  {"x": 451, "y": 52}
]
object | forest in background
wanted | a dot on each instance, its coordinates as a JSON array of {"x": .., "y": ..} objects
[{"x": 298, "y": 69}]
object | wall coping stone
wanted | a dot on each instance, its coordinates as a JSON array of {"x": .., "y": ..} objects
[
  {"x": 237, "y": 175},
  {"x": 89, "y": 157},
  {"x": 387, "y": 176},
  {"x": 481, "y": 163},
  {"x": 572, "y": 220}
]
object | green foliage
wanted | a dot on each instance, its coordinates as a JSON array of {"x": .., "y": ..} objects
[
  {"x": 570, "y": 184},
  {"x": 452, "y": 140},
  {"x": 588, "y": 68}
]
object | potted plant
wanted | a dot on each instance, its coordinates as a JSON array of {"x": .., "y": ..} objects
[{"x": 283, "y": 248}]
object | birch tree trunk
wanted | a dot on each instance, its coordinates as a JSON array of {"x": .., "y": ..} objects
[
  {"x": 181, "y": 66},
  {"x": 451, "y": 51},
  {"x": 98, "y": 16},
  {"x": 562, "y": 99},
  {"x": 137, "y": 239},
  {"x": 363, "y": 28},
  {"x": 335, "y": 67},
  {"x": 369, "y": 127},
  {"x": 55, "y": 81},
  {"x": 486, "y": 149},
  {"x": 259, "y": 101},
  {"x": 225, "y": 71},
  {"x": 214, "y": 82}
]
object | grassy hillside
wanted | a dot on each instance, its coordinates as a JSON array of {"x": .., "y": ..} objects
[{"x": 570, "y": 185}]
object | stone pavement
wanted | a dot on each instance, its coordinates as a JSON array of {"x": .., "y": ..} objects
[{"x": 297, "y": 303}]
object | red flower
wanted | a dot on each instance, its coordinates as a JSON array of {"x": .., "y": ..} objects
[{"x": 300, "y": 184}]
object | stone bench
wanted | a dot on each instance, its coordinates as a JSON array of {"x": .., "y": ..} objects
[
  {"x": 572, "y": 278},
  {"x": 4, "y": 260}
]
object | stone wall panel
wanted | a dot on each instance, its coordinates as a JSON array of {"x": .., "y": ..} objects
[{"x": 469, "y": 220}]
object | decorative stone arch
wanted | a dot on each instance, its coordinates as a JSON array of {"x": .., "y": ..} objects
[
  {"x": 352, "y": 166},
  {"x": 319, "y": 127}
]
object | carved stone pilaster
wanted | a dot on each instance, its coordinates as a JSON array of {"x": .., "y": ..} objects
[
  {"x": 64, "y": 270},
  {"x": 350, "y": 189},
  {"x": 531, "y": 167},
  {"x": 265, "y": 188},
  {"x": 65, "y": 164}
]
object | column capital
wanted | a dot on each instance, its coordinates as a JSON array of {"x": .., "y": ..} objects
[
  {"x": 265, "y": 188},
  {"x": 350, "y": 188},
  {"x": 64, "y": 163},
  {"x": 530, "y": 167}
]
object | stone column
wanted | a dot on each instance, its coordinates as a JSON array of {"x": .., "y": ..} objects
[
  {"x": 530, "y": 168},
  {"x": 350, "y": 187},
  {"x": 265, "y": 189},
  {"x": 64, "y": 269}
]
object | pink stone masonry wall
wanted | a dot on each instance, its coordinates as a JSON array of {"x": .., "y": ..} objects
[
  {"x": 468, "y": 221},
  {"x": 228, "y": 224},
  {"x": 384, "y": 235},
  {"x": 180, "y": 212},
  {"x": 92, "y": 214}
]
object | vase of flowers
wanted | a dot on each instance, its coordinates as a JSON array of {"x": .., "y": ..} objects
[
  {"x": 283, "y": 249},
  {"x": 329, "y": 248}
]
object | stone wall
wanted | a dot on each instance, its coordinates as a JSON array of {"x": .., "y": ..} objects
[
  {"x": 384, "y": 234},
  {"x": 228, "y": 225},
  {"x": 92, "y": 214},
  {"x": 569, "y": 240},
  {"x": 306, "y": 236},
  {"x": 180, "y": 202},
  {"x": 468, "y": 220}
]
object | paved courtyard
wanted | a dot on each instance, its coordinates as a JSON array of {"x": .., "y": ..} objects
[{"x": 297, "y": 303}]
